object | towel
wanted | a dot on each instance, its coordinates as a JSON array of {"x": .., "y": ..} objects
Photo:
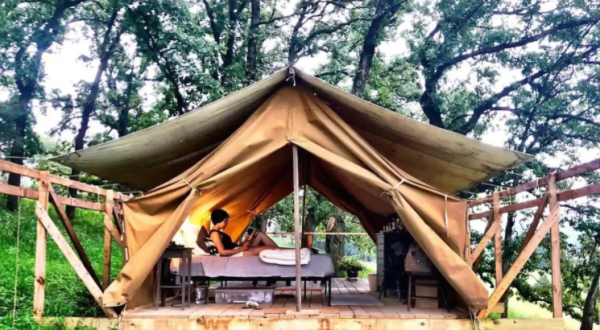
[{"x": 285, "y": 257}]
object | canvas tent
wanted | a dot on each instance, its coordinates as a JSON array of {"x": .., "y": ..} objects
[{"x": 236, "y": 154}]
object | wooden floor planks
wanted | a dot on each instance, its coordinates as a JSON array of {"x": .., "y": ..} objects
[{"x": 285, "y": 300}]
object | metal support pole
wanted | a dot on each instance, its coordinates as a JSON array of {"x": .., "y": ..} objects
[{"x": 297, "y": 228}]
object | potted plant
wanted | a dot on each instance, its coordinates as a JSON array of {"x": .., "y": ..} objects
[{"x": 352, "y": 266}]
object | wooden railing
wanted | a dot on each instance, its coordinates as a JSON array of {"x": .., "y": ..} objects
[
  {"x": 78, "y": 259},
  {"x": 534, "y": 234}
]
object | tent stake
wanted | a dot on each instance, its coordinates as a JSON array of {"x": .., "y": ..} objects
[{"x": 297, "y": 228}]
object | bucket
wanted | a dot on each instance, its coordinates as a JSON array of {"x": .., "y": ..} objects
[{"x": 373, "y": 282}]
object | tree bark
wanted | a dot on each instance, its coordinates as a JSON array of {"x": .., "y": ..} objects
[
  {"x": 589, "y": 308},
  {"x": 335, "y": 245},
  {"x": 386, "y": 9},
  {"x": 123, "y": 118},
  {"x": 309, "y": 226},
  {"x": 252, "y": 56},
  {"x": 26, "y": 78},
  {"x": 18, "y": 147},
  {"x": 262, "y": 222}
]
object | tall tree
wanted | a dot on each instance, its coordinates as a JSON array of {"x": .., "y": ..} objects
[
  {"x": 108, "y": 43},
  {"x": 385, "y": 12},
  {"x": 316, "y": 20},
  {"x": 175, "y": 44},
  {"x": 477, "y": 33},
  {"x": 31, "y": 31}
]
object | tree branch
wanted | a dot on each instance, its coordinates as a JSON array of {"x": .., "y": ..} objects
[{"x": 509, "y": 45}]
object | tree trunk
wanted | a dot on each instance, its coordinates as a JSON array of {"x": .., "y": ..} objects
[
  {"x": 428, "y": 104},
  {"x": 106, "y": 50},
  {"x": 252, "y": 56},
  {"x": 17, "y": 149},
  {"x": 335, "y": 244},
  {"x": 383, "y": 13},
  {"x": 26, "y": 78},
  {"x": 309, "y": 226},
  {"x": 228, "y": 58},
  {"x": 589, "y": 308},
  {"x": 262, "y": 223}
]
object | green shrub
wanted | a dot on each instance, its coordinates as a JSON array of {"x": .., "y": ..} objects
[{"x": 349, "y": 264}]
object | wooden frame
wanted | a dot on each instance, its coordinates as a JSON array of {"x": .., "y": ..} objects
[
  {"x": 78, "y": 258},
  {"x": 116, "y": 230},
  {"x": 316, "y": 322},
  {"x": 534, "y": 235}
]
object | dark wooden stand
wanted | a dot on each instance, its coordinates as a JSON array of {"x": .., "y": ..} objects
[
  {"x": 185, "y": 275},
  {"x": 391, "y": 252}
]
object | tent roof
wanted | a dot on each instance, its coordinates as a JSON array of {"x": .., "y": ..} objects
[{"x": 143, "y": 160}]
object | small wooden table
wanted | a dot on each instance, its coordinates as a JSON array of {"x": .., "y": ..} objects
[{"x": 185, "y": 275}]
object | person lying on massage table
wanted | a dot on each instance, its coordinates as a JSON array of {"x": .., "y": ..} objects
[{"x": 224, "y": 245}]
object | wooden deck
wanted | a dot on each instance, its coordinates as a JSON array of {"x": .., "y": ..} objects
[
  {"x": 284, "y": 305},
  {"x": 280, "y": 315}
]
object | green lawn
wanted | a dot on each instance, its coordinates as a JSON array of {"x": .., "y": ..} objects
[{"x": 65, "y": 293}]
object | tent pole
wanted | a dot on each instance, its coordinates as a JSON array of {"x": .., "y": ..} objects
[{"x": 297, "y": 228}]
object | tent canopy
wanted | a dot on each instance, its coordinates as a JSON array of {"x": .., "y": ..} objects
[
  {"x": 344, "y": 146},
  {"x": 451, "y": 162}
]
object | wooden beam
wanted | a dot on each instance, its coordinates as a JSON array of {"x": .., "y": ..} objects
[
  {"x": 297, "y": 228},
  {"x": 535, "y": 222},
  {"x": 68, "y": 252},
  {"x": 121, "y": 220},
  {"x": 72, "y": 234},
  {"x": 34, "y": 194},
  {"x": 108, "y": 222},
  {"x": 557, "y": 311},
  {"x": 498, "y": 239},
  {"x": 520, "y": 262},
  {"x": 35, "y": 174},
  {"x": 109, "y": 226},
  {"x": 477, "y": 255},
  {"x": 39, "y": 286},
  {"x": 487, "y": 237},
  {"x": 561, "y": 196},
  {"x": 286, "y": 322},
  {"x": 559, "y": 176}
]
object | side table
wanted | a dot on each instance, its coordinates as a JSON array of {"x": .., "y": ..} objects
[{"x": 185, "y": 275}]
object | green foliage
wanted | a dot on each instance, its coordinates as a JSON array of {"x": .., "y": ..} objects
[
  {"x": 351, "y": 264},
  {"x": 65, "y": 293}
]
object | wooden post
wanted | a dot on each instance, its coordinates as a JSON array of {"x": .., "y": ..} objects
[
  {"x": 39, "y": 286},
  {"x": 108, "y": 218},
  {"x": 514, "y": 270},
  {"x": 498, "y": 238},
  {"x": 555, "y": 251},
  {"x": 68, "y": 252},
  {"x": 297, "y": 228}
]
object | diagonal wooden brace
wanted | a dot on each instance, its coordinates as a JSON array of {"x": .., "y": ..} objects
[
  {"x": 525, "y": 254},
  {"x": 54, "y": 198},
  {"x": 68, "y": 252}
]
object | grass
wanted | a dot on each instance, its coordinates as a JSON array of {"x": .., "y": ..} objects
[
  {"x": 519, "y": 309},
  {"x": 65, "y": 293}
]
